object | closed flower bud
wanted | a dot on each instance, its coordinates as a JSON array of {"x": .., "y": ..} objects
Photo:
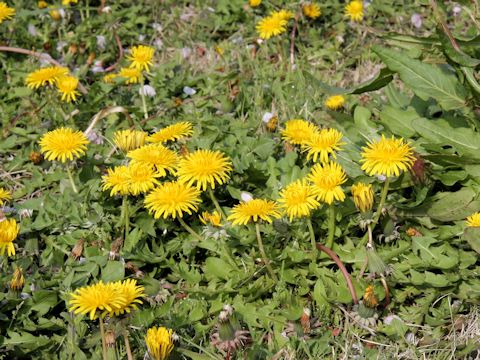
[
  {"x": 17, "y": 282},
  {"x": 78, "y": 249},
  {"x": 363, "y": 196},
  {"x": 35, "y": 157}
]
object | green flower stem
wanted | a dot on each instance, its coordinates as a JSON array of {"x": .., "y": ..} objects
[
  {"x": 312, "y": 237},
  {"x": 215, "y": 202},
  {"x": 331, "y": 226},
  {"x": 102, "y": 332},
  {"x": 374, "y": 222},
  {"x": 126, "y": 216},
  {"x": 262, "y": 252},
  {"x": 70, "y": 176},
  {"x": 144, "y": 102},
  {"x": 88, "y": 9},
  {"x": 189, "y": 229}
]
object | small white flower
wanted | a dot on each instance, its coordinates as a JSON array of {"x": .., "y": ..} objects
[
  {"x": 101, "y": 42},
  {"x": 187, "y": 90},
  {"x": 147, "y": 90},
  {"x": 267, "y": 117},
  {"x": 95, "y": 138},
  {"x": 157, "y": 27},
  {"x": 107, "y": 10},
  {"x": 25, "y": 213},
  {"x": 388, "y": 320},
  {"x": 381, "y": 178},
  {"x": 158, "y": 43},
  {"x": 32, "y": 30},
  {"x": 186, "y": 52},
  {"x": 416, "y": 20},
  {"x": 62, "y": 13},
  {"x": 97, "y": 67},
  {"x": 141, "y": 37},
  {"x": 246, "y": 196},
  {"x": 61, "y": 45},
  {"x": 456, "y": 9}
]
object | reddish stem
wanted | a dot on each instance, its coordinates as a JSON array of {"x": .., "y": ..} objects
[
  {"x": 120, "y": 53},
  {"x": 342, "y": 268}
]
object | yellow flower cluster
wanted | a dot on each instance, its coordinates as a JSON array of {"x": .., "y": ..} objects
[
  {"x": 6, "y": 12},
  {"x": 101, "y": 299},
  {"x": 55, "y": 75},
  {"x": 9, "y": 230},
  {"x": 141, "y": 58}
]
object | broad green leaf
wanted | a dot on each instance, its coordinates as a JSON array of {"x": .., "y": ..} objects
[
  {"x": 425, "y": 80},
  {"x": 113, "y": 271},
  {"x": 454, "y": 205},
  {"x": 400, "y": 122},
  {"x": 472, "y": 236},
  {"x": 218, "y": 268}
]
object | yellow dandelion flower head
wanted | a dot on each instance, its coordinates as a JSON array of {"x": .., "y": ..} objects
[
  {"x": 42, "y": 4},
  {"x": 132, "y": 294},
  {"x": 45, "y": 76},
  {"x": 5, "y": 196},
  {"x": 387, "y": 157},
  {"x": 354, "y": 10},
  {"x": 6, "y": 12},
  {"x": 159, "y": 343},
  {"x": 173, "y": 132},
  {"x": 322, "y": 144},
  {"x": 141, "y": 57},
  {"x": 105, "y": 298},
  {"x": 69, "y": 2},
  {"x": 9, "y": 230},
  {"x": 362, "y": 196},
  {"x": 18, "y": 280},
  {"x": 67, "y": 87},
  {"x": 172, "y": 199},
  {"x": 254, "y": 210},
  {"x": 204, "y": 168},
  {"x": 142, "y": 178},
  {"x": 117, "y": 181},
  {"x": 335, "y": 102},
  {"x": 298, "y": 131},
  {"x": 108, "y": 79},
  {"x": 254, "y": 3},
  {"x": 282, "y": 14},
  {"x": 271, "y": 26},
  {"x": 63, "y": 144},
  {"x": 132, "y": 75},
  {"x": 155, "y": 155},
  {"x": 214, "y": 218},
  {"x": 298, "y": 199},
  {"x": 312, "y": 10},
  {"x": 474, "y": 220},
  {"x": 127, "y": 140},
  {"x": 326, "y": 179}
]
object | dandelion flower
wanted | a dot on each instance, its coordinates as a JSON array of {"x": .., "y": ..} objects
[
  {"x": 254, "y": 210},
  {"x": 117, "y": 181},
  {"x": 63, "y": 144},
  {"x": 362, "y": 196},
  {"x": 335, "y": 102},
  {"x": 254, "y": 3},
  {"x": 172, "y": 199},
  {"x": 298, "y": 131},
  {"x": 132, "y": 75},
  {"x": 354, "y": 10},
  {"x": 69, "y": 2},
  {"x": 108, "y": 79},
  {"x": 312, "y": 10},
  {"x": 106, "y": 298},
  {"x": 159, "y": 343},
  {"x": 271, "y": 26},
  {"x": 8, "y": 233},
  {"x": 6, "y": 12},
  {"x": 282, "y": 15},
  {"x": 67, "y": 86},
  {"x": 127, "y": 140},
  {"x": 142, "y": 178},
  {"x": 387, "y": 157},
  {"x": 322, "y": 144},
  {"x": 18, "y": 280},
  {"x": 204, "y": 168},
  {"x": 298, "y": 199},
  {"x": 474, "y": 220},
  {"x": 45, "y": 76},
  {"x": 173, "y": 132},
  {"x": 5, "y": 196},
  {"x": 155, "y": 155},
  {"x": 214, "y": 218},
  {"x": 132, "y": 294},
  {"x": 141, "y": 57},
  {"x": 326, "y": 179},
  {"x": 42, "y": 4}
]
